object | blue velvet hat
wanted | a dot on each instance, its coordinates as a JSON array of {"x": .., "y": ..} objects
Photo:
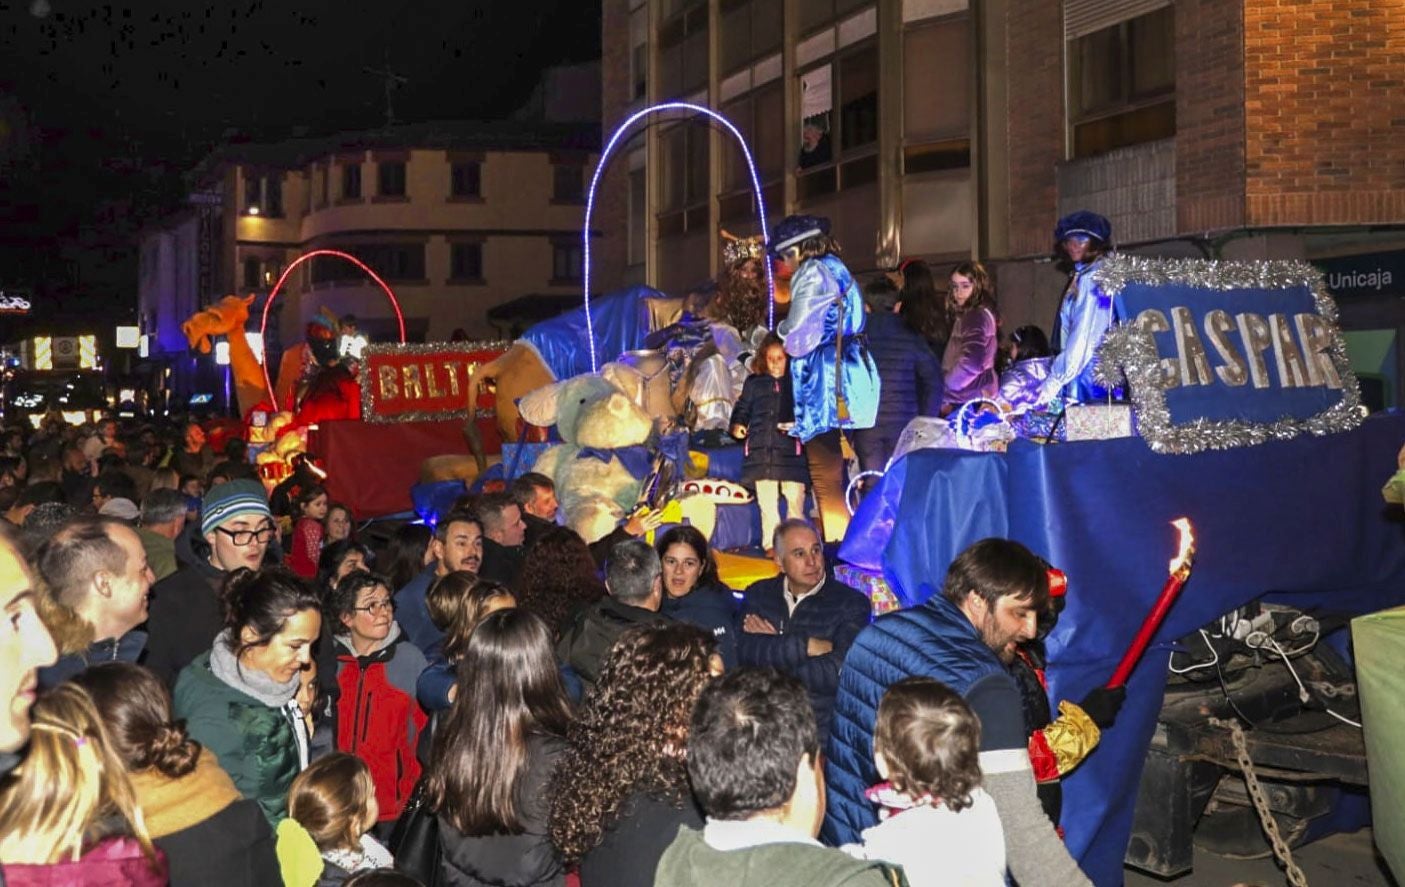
[
  {"x": 1083, "y": 224},
  {"x": 796, "y": 229}
]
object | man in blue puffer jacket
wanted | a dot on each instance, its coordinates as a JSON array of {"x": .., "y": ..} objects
[
  {"x": 803, "y": 621},
  {"x": 963, "y": 637}
]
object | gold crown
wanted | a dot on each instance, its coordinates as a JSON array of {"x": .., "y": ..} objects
[{"x": 739, "y": 249}]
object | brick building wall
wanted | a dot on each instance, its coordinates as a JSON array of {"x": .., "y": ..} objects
[
  {"x": 1033, "y": 37},
  {"x": 609, "y": 253},
  {"x": 1325, "y": 112},
  {"x": 1210, "y": 140}
]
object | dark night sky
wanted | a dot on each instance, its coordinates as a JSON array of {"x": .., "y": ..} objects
[{"x": 104, "y": 105}]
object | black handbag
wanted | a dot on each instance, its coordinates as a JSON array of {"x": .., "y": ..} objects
[{"x": 414, "y": 842}]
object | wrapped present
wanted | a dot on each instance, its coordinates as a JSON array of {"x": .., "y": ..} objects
[
  {"x": 881, "y": 598},
  {"x": 1102, "y": 421}
]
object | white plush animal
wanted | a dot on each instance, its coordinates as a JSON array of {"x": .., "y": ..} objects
[{"x": 594, "y": 418}]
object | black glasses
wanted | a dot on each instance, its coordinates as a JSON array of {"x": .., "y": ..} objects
[
  {"x": 244, "y": 537},
  {"x": 374, "y": 607}
]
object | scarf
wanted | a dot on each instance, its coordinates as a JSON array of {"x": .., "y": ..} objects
[
  {"x": 249, "y": 681},
  {"x": 172, "y": 805}
]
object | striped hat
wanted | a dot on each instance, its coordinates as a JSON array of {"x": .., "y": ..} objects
[{"x": 231, "y": 499}]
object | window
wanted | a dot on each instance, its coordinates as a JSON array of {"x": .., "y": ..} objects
[
  {"x": 322, "y": 183},
  {"x": 273, "y": 195},
  {"x": 253, "y": 274},
  {"x": 567, "y": 261},
  {"x": 253, "y": 194},
  {"x": 760, "y": 115},
  {"x": 937, "y": 122},
  {"x": 683, "y": 53},
  {"x": 351, "y": 181},
  {"x": 568, "y": 182},
  {"x": 1122, "y": 84},
  {"x": 466, "y": 261},
  {"x": 393, "y": 261},
  {"x": 858, "y": 99},
  {"x": 750, "y": 29},
  {"x": 467, "y": 179},
  {"x": 390, "y": 178},
  {"x": 638, "y": 207},
  {"x": 847, "y": 137},
  {"x": 815, "y": 13}
]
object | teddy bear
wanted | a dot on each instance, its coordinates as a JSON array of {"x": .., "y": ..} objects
[{"x": 600, "y": 468}]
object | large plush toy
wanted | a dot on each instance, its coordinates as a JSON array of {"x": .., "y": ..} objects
[
  {"x": 601, "y": 467},
  {"x": 227, "y": 318}
]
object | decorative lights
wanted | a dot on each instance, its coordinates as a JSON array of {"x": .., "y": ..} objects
[{"x": 595, "y": 181}]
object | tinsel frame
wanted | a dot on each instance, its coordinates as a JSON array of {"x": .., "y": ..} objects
[
  {"x": 1128, "y": 352},
  {"x": 430, "y": 348}
]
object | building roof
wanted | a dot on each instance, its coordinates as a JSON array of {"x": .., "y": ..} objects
[{"x": 461, "y": 135}]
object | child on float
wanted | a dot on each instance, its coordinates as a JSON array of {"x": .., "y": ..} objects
[
  {"x": 305, "y": 549},
  {"x": 1025, "y": 366},
  {"x": 834, "y": 377},
  {"x": 934, "y": 818},
  {"x": 332, "y": 803},
  {"x": 772, "y": 461},
  {"x": 968, "y": 364},
  {"x": 1086, "y": 314}
]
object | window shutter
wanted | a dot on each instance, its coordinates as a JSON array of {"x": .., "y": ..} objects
[{"x": 1083, "y": 17}]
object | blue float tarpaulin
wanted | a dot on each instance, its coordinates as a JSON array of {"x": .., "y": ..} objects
[
  {"x": 1300, "y": 521},
  {"x": 621, "y": 322}
]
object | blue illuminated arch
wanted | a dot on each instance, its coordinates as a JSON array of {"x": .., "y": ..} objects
[{"x": 595, "y": 181}]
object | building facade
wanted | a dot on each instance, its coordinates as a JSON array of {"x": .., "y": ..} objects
[
  {"x": 951, "y": 129},
  {"x": 458, "y": 219}
]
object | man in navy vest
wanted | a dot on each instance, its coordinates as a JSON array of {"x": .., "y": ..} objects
[{"x": 963, "y": 637}]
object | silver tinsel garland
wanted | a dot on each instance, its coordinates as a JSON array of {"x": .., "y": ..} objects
[{"x": 1129, "y": 352}]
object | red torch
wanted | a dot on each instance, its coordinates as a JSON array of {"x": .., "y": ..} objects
[{"x": 1179, "y": 571}]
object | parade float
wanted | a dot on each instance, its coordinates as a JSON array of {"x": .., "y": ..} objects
[{"x": 1244, "y": 419}]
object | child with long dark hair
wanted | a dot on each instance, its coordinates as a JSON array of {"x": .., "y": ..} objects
[
  {"x": 772, "y": 461},
  {"x": 968, "y": 366},
  {"x": 305, "y": 546}
]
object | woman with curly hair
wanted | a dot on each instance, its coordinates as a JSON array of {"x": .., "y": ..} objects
[
  {"x": 621, "y": 791},
  {"x": 559, "y": 579}
]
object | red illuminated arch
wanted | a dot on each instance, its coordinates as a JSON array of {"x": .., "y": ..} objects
[{"x": 278, "y": 287}]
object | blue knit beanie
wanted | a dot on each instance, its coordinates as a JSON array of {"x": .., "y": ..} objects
[{"x": 232, "y": 499}]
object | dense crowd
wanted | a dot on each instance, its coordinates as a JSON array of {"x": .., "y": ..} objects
[{"x": 211, "y": 685}]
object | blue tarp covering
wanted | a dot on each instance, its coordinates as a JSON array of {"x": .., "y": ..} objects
[
  {"x": 621, "y": 322},
  {"x": 1300, "y": 521}
]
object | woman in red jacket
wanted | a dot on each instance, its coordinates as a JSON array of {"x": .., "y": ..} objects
[{"x": 378, "y": 719}]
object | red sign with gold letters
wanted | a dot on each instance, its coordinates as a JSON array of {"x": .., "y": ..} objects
[{"x": 414, "y": 383}]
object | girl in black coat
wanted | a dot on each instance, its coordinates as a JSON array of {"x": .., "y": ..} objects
[{"x": 773, "y": 460}]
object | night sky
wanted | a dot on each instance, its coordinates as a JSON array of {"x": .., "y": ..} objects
[{"x": 103, "y": 106}]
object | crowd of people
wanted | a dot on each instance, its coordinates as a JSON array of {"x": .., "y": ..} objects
[{"x": 208, "y": 682}]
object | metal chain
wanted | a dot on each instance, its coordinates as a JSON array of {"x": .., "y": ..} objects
[{"x": 1296, "y": 878}]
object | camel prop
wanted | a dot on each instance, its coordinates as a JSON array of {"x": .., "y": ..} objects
[{"x": 227, "y": 318}]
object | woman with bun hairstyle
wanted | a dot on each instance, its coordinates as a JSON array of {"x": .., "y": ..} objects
[
  {"x": 238, "y": 699},
  {"x": 210, "y": 835},
  {"x": 68, "y": 815}
]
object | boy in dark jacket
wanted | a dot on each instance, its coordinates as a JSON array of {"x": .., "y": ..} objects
[{"x": 910, "y": 376}]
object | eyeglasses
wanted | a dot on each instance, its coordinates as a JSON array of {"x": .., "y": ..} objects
[
  {"x": 374, "y": 607},
  {"x": 244, "y": 537}
]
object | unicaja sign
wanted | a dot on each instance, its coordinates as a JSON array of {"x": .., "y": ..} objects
[{"x": 1378, "y": 279}]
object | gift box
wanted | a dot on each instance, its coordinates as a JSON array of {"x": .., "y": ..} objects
[{"x": 1100, "y": 421}]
